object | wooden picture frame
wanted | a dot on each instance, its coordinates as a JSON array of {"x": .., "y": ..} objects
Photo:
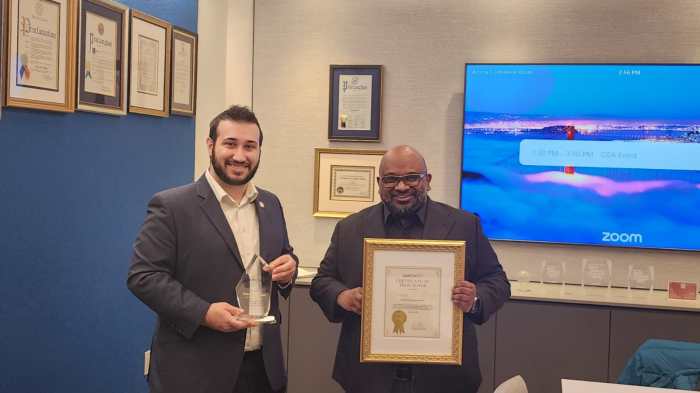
[
  {"x": 40, "y": 68},
  {"x": 149, "y": 65},
  {"x": 183, "y": 98},
  {"x": 345, "y": 181}
]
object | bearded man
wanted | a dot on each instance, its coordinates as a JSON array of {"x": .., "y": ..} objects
[{"x": 195, "y": 244}]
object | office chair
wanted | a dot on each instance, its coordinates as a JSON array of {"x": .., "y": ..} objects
[
  {"x": 515, "y": 384},
  {"x": 664, "y": 364}
]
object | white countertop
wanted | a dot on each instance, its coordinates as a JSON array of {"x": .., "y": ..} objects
[{"x": 573, "y": 386}]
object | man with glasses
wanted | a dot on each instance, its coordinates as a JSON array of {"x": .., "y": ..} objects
[{"x": 406, "y": 212}]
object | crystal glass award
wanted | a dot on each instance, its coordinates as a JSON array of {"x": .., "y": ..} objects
[
  {"x": 639, "y": 277},
  {"x": 596, "y": 272},
  {"x": 254, "y": 291},
  {"x": 552, "y": 272},
  {"x": 524, "y": 281}
]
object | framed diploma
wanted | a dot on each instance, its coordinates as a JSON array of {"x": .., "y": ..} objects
[
  {"x": 149, "y": 65},
  {"x": 355, "y": 102},
  {"x": 40, "y": 68},
  {"x": 184, "y": 73},
  {"x": 407, "y": 310},
  {"x": 102, "y": 54},
  {"x": 345, "y": 181}
]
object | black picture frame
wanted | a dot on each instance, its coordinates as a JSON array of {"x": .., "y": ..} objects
[{"x": 359, "y": 129}]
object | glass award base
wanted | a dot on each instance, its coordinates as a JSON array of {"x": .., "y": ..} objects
[{"x": 266, "y": 320}]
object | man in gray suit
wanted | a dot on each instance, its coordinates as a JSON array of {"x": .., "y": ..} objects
[
  {"x": 406, "y": 212},
  {"x": 193, "y": 248}
]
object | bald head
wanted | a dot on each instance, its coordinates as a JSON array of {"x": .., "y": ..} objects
[
  {"x": 403, "y": 180},
  {"x": 403, "y": 158}
]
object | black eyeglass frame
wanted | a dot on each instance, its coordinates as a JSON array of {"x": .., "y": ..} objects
[{"x": 404, "y": 179}]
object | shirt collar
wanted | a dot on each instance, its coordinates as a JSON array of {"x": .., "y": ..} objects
[
  {"x": 420, "y": 214},
  {"x": 251, "y": 192}
]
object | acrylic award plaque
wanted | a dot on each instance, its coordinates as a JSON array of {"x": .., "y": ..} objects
[
  {"x": 254, "y": 291},
  {"x": 552, "y": 272},
  {"x": 639, "y": 277},
  {"x": 596, "y": 272},
  {"x": 524, "y": 281}
]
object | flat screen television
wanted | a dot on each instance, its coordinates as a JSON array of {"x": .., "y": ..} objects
[{"x": 597, "y": 154}]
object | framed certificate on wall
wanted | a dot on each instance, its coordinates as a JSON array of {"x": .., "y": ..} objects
[
  {"x": 355, "y": 103},
  {"x": 102, "y": 53},
  {"x": 345, "y": 181},
  {"x": 149, "y": 68},
  {"x": 184, "y": 73},
  {"x": 40, "y": 68},
  {"x": 407, "y": 310}
]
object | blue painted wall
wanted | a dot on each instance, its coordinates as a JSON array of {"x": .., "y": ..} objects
[{"x": 73, "y": 194}]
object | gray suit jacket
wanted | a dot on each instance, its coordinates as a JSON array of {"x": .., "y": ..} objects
[
  {"x": 341, "y": 269},
  {"x": 186, "y": 258}
]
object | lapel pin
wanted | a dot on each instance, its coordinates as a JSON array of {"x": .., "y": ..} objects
[{"x": 262, "y": 205}]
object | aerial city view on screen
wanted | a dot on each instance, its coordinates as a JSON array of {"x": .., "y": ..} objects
[{"x": 588, "y": 154}]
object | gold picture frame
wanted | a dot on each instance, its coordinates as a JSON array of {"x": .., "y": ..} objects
[
  {"x": 345, "y": 181},
  {"x": 426, "y": 330},
  {"x": 40, "y": 68},
  {"x": 183, "y": 89},
  {"x": 149, "y": 65}
]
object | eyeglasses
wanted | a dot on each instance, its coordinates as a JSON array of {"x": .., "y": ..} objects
[{"x": 411, "y": 180}]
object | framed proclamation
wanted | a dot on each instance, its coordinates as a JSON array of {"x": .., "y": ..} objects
[
  {"x": 149, "y": 65},
  {"x": 355, "y": 102},
  {"x": 102, "y": 53},
  {"x": 184, "y": 73},
  {"x": 345, "y": 181},
  {"x": 407, "y": 310},
  {"x": 40, "y": 68}
]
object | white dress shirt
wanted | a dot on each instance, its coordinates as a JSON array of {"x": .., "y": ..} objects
[{"x": 243, "y": 220}]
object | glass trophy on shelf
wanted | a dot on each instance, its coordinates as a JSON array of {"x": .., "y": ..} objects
[
  {"x": 553, "y": 272},
  {"x": 639, "y": 277},
  {"x": 524, "y": 281},
  {"x": 254, "y": 291},
  {"x": 596, "y": 272}
]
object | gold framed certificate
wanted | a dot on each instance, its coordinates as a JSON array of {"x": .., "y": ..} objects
[
  {"x": 41, "y": 54},
  {"x": 184, "y": 73},
  {"x": 103, "y": 35},
  {"x": 345, "y": 181},
  {"x": 407, "y": 310},
  {"x": 149, "y": 68}
]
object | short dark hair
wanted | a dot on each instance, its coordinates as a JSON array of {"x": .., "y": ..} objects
[{"x": 235, "y": 113}]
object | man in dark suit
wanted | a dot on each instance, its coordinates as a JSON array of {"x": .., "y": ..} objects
[
  {"x": 406, "y": 212},
  {"x": 194, "y": 246}
]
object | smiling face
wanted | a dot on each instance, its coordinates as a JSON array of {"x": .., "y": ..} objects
[
  {"x": 402, "y": 198},
  {"x": 235, "y": 154}
]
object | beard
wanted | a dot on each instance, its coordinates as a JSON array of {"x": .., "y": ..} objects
[
  {"x": 221, "y": 172},
  {"x": 401, "y": 211}
]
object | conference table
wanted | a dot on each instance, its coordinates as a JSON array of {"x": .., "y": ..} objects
[{"x": 574, "y": 386}]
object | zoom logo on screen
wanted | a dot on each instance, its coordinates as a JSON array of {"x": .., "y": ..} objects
[{"x": 615, "y": 237}]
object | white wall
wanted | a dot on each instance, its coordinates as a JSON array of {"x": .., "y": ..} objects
[
  {"x": 423, "y": 46},
  {"x": 225, "y": 74}
]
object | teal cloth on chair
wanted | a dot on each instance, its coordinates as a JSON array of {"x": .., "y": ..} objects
[{"x": 664, "y": 364}]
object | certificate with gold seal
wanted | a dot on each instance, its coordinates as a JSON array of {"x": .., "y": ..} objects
[{"x": 407, "y": 310}]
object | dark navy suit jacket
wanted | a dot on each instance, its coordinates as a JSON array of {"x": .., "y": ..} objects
[{"x": 186, "y": 258}]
